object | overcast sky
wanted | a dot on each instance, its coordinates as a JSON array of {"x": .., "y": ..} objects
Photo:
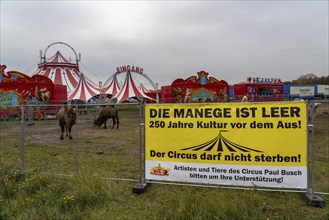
[{"x": 171, "y": 39}]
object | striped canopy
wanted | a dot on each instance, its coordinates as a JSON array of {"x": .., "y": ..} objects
[
  {"x": 61, "y": 71},
  {"x": 129, "y": 90},
  {"x": 142, "y": 88},
  {"x": 113, "y": 87},
  {"x": 84, "y": 91}
]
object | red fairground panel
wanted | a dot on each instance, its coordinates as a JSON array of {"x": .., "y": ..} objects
[{"x": 196, "y": 89}]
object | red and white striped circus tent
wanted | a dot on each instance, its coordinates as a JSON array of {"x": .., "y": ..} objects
[
  {"x": 129, "y": 90},
  {"x": 85, "y": 90},
  {"x": 113, "y": 87},
  {"x": 60, "y": 70},
  {"x": 142, "y": 88}
]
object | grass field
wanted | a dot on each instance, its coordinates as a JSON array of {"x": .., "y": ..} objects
[{"x": 99, "y": 169}]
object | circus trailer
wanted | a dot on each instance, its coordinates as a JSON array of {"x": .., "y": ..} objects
[
  {"x": 322, "y": 91},
  {"x": 195, "y": 89},
  {"x": 306, "y": 91},
  {"x": 18, "y": 89},
  {"x": 259, "y": 90},
  {"x": 302, "y": 91}
]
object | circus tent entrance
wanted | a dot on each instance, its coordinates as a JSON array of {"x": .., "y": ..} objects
[
  {"x": 129, "y": 92},
  {"x": 122, "y": 86}
]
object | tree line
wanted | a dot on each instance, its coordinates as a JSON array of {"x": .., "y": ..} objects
[{"x": 309, "y": 78}]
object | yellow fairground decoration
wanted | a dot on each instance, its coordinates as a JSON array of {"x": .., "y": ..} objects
[{"x": 263, "y": 144}]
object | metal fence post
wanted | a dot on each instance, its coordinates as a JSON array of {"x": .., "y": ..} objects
[
  {"x": 313, "y": 149},
  {"x": 22, "y": 167},
  {"x": 141, "y": 186},
  {"x": 77, "y": 143},
  {"x": 310, "y": 197}
]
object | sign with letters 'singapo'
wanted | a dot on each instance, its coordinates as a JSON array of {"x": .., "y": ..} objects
[{"x": 241, "y": 144}]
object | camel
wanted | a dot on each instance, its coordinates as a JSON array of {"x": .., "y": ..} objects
[
  {"x": 106, "y": 113},
  {"x": 67, "y": 118}
]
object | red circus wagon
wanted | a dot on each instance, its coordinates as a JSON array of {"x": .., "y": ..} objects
[
  {"x": 18, "y": 89},
  {"x": 259, "y": 90},
  {"x": 201, "y": 88}
]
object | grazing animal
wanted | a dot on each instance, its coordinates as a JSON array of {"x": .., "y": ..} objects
[
  {"x": 106, "y": 113},
  {"x": 67, "y": 117}
]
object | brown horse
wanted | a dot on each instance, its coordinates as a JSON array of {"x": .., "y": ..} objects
[{"x": 67, "y": 118}]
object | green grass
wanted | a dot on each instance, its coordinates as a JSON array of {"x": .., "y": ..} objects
[
  {"x": 106, "y": 155},
  {"x": 37, "y": 196}
]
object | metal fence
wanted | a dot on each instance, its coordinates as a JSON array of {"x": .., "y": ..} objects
[
  {"x": 319, "y": 146},
  {"x": 31, "y": 142}
]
